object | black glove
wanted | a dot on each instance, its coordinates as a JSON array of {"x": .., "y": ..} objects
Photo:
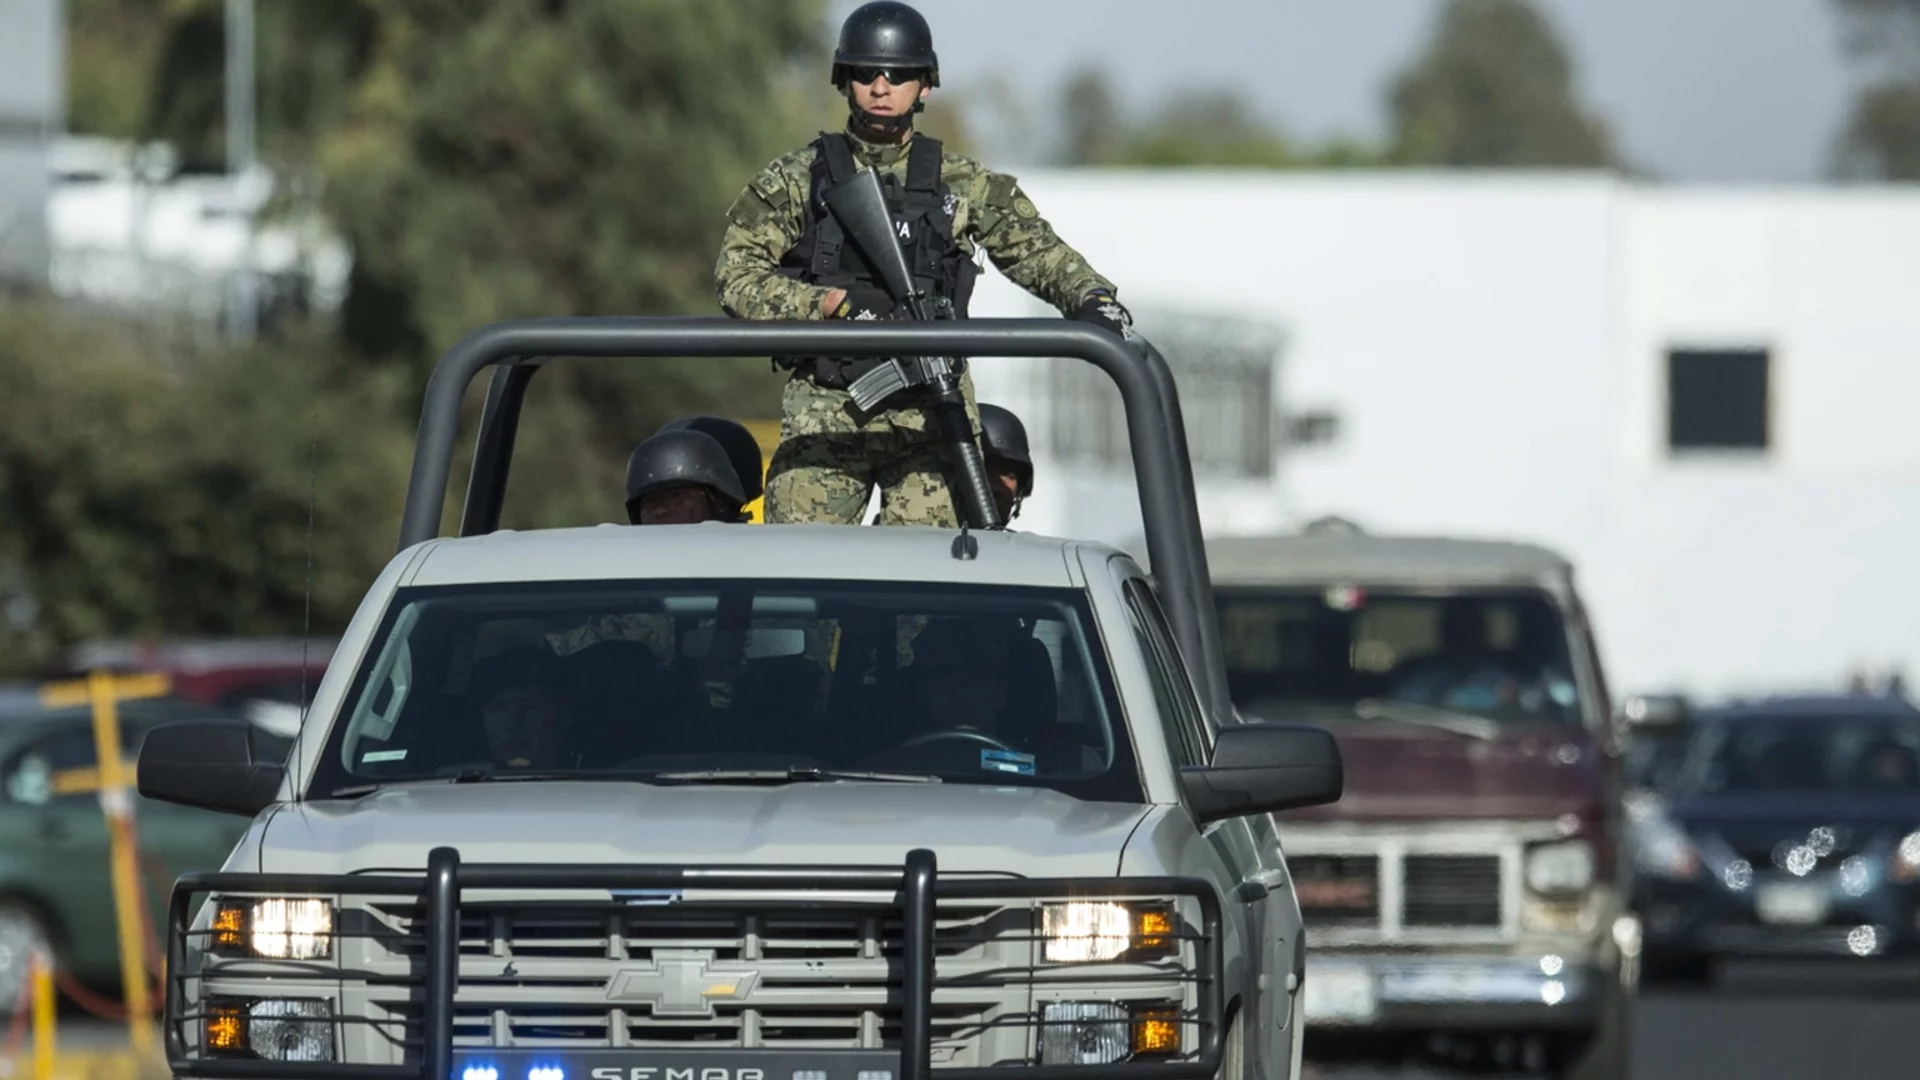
[
  {"x": 865, "y": 303},
  {"x": 1101, "y": 309}
]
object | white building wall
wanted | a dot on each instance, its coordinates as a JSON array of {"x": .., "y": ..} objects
[{"x": 1495, "y": 347}]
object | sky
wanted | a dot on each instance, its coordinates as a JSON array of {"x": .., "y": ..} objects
[{"x": 1725, "y": 91}]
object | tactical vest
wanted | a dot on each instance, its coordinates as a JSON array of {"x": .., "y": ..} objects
[{"x": 922, "y": 212}]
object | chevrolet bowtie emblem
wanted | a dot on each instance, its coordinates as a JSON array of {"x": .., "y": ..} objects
[{"x": 682, "y": 983}]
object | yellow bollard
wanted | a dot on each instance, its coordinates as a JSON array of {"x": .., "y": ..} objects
[
  {"x": 103, "y": 691},
  {"x": 40, "y": 979},
  {"x": 116, "y": 803}
]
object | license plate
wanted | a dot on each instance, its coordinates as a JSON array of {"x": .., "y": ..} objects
[
  {"x": 1339, "y": 995},
  {"x": 1463, "y": 984},
  {"x": 647, "y": 1064},
  {"x": 1791, "y": 904}
]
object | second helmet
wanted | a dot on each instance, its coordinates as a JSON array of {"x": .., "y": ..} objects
[{"x": 673, "y": 459}]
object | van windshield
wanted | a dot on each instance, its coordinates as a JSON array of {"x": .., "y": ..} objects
[
  {"x": 737, "y": 680},
  {"x": 1496, "y": 655}
]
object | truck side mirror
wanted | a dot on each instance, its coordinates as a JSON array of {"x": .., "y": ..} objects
[
  {"x": 208, "y": 765},
  {"x": 1264, "y": 768}
]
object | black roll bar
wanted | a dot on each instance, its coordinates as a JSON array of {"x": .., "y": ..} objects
[{"x": 1156, "y": 432}]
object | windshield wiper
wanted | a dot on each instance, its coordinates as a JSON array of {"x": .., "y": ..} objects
[
  {"x": 354, "y": 791},
  {"x": 789, "y": 775},
  {"x": 1476, "y": 727},
  {"x": 475, "y": 776}
]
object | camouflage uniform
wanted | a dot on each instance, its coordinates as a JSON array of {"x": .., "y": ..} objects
[{"x": 830, "y": 454}]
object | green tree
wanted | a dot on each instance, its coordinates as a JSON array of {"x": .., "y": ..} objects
[
  {"x": 1495, "y": 87},
  {"x": 1205, "y": 128},
  {"x": 1881, "y": 138},
  {"x": 155, "y": 487},
  {"x": 486, "y": 162}
]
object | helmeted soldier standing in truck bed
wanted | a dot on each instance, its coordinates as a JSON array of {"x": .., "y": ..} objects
[{"x": 784, "y": 257}]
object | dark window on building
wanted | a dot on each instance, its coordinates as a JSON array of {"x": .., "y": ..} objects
[{"x": 1717, "y": 399}]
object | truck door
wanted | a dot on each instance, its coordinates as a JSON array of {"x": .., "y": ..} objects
[{"x": 1253, "y": 861}]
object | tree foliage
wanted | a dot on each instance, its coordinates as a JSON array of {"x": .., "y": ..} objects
[
  {"x": 1495, "y": 87},
  {"x": 168, "y": 490},
  {"x": 1200, "y": 128},
  {"x": 485, "y": 161},
  {"x": 1881, "y": 139}
]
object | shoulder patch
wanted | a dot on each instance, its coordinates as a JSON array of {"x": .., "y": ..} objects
[
  {"x": 1000, "y": 190},
  {"x": 769, "y": 187}
]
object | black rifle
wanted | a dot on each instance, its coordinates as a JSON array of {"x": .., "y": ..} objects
[{"x": 861, "y": 210}]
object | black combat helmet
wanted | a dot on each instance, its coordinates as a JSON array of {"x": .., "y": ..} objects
[
  {"x": 741, "y": 447},
  {"x": 671, "y": 459},
  {"x": 885, "y": 33},
  {"x": 1003, "y": 436}
]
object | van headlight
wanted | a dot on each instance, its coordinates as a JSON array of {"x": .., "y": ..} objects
[
  {"x": 1085, "y": 932},
  {"x": 1561, "y": 868},
  {"x": 274, "y": 928}
]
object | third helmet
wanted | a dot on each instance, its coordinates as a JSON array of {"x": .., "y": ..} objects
[{"x": 1002, "y": 435}]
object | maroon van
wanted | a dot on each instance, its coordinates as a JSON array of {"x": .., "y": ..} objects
[{"x": 1464, "y": 897}]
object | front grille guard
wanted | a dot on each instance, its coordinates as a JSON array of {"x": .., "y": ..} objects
[{"x": 915, "y": 886}]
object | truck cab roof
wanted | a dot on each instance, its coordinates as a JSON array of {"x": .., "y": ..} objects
[{"x": 713, "y": 550}]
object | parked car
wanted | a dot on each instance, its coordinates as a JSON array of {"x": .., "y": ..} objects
[
  {"x": 228, "y": 672},
  {"x": 1465, "y": 891},
  {"x": 55, "y": 883},
  {"x": 1791, "y": 829}
]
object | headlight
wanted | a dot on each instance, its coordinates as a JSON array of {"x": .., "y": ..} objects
[
  {"x": 1906, "y": 859},
  {"x": 1102, "y": 1033},
  {"x": 1661, "y": 849},
  {"x": 1560, "y": 868},
  {"x": 1079, "y": 933},
  {"x": 278, "y": 928},
  {"x": 284, "y": 1029}
]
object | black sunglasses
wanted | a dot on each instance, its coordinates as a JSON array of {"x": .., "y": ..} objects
[{"x": 895, "y": 75}]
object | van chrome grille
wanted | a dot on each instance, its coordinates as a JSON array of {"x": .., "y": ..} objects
[{"x": 1363, "y": 892}]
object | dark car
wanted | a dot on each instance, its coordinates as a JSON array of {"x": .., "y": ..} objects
[{"x": 1791, "y": 828}]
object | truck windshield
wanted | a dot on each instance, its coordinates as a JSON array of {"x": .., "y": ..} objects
[
  {"x": 1492, "y": 655},
  {"x": 734, "y": 681}
]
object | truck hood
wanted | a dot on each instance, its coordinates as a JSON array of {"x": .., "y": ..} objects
[
  {"x": 1411, "y": 772},
  {"x": 1034, "y": 832}
]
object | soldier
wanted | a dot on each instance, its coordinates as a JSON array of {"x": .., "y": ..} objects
[
  {"x": 784, "y": 258},
  {"x": 1003, "y": 442},
  {"x": 743, "y": 450},
  {"x": 682, "y": 477}
]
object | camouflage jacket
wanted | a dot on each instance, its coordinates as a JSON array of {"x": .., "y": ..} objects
[{"x": 991, "y": 213}]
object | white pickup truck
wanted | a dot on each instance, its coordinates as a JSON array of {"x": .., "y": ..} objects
[{"x": 726, "y": 802}]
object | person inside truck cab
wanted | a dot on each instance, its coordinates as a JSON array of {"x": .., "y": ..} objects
[
  {"x": 981, "y": 696},
  {"x": 523, "y": 711}
]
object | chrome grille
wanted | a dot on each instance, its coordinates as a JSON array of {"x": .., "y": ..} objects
[
  {"x": 1337, "y": 890},
  {"x": 1367, "y": 891},
  {"x": 1451, "y": 890},
  {"x": 538, "y": 974}
]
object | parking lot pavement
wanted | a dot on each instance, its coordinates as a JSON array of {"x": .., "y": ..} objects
[{"x": 1760, "y": 1023}]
